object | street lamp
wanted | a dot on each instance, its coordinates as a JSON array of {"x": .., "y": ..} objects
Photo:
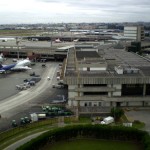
[{"x": 17, "y": 43}]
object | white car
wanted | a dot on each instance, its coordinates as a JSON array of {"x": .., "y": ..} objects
[
  {"x": 14, "y": 60},
  {"x": 102, "y": 122}
]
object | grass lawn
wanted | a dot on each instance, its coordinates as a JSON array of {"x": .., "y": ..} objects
[{"x": 92, "y": 144}]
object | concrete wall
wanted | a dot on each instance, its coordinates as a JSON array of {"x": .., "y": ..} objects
[
  {"x": 135, "y": 103},
  {"x": 72, "y": 103},
  {"x": 147, "y": 104},
  {"x": 118, "y": 88},
  {"x": 71, "y": 93},
  {"x": 109, "y": 100},
  {"x": 107, "y": 104},
  {"x": 123, "y": 104}
]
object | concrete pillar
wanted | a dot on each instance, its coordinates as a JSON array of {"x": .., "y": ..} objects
[
  {"x": 127, "y": 104},
  {"x": 109, "y": 93},
  {"x": 118, "y": 88},
  {"x": 72, "y": 94},
  {"x": 144, "y": 89},
  {"x": 143, "y": 103}
]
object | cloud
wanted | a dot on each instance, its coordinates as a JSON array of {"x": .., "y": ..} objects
[{"x": 74, "y": 10}]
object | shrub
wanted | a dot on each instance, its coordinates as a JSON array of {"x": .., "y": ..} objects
[
  {"x": 91, "y": 131},
  {"x": 117, "y": 113}
]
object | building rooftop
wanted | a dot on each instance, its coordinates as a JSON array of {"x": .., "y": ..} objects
[
  {"x": 128, "y": 64},
  {"x": 87, "y": 54}
]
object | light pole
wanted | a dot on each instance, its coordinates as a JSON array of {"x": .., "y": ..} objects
[{"x": 17, "y": 43}]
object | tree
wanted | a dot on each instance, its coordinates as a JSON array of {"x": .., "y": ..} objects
[{"x": 117, "y": 113}]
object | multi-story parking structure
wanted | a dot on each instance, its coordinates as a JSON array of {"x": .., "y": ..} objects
[{"x": 96, "y": 83}]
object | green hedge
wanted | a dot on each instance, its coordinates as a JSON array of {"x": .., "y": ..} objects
[
  {"x": 18, "y": 130},
  {"x": 89, "y": 131}
]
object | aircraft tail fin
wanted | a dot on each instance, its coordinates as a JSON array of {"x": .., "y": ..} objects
[{"x": 2, "y": 55}]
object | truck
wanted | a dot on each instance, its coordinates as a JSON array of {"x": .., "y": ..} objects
[
  {"x": 41, "y": 116},
  {"x": 107, "y": 120},
  {"x": 37, "y": 116}
]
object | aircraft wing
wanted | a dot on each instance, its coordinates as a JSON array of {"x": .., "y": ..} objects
[
  {"x": 21, "y": 68},
  {"x": 1, "y": 59}
]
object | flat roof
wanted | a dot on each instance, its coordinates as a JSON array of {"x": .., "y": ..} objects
[
  {"x": 87, "y": 54},
  {"x": 113, "y": 57},
  {"x": 40, "y": 44},
  {"x": 66, "y": 47}
]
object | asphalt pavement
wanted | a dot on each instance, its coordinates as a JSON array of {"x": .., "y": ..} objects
[
  {"x": 15, "y": 104},
  {"x": 141, "y": 115}
]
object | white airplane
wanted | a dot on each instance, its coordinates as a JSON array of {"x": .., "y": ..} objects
[
  {"x": 20, "y": 65},
  {"x": 58, "y": 41},
  {"x": 76, "y": 40},
  {"x": 6, "y": 39}
]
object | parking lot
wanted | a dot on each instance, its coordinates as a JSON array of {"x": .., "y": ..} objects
[
  {"x": 9, "y": 81},
  {"x": 141, "y": 115},
  {"x": 29, "y": 100}
]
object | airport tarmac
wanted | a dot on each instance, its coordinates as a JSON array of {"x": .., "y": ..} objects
[
  {"x": 9, "y": 80},
  {"x": 15, "y": 104}
]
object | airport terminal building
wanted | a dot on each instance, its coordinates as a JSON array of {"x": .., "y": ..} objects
[{"x": 98, "y": 81}]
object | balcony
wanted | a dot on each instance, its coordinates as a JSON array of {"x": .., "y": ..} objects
[
  {"x": 113, "y": 99},
  {"x": 95, "y": 89}
]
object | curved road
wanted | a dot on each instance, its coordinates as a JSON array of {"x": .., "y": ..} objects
[
  {"x": 29, "y": 94},
  {"x": 23, "y": 141}
]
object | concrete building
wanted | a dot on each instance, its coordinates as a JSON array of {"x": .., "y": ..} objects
[
  {"x": 135, "y": 33},
  {"x": 96, "y": 83}
]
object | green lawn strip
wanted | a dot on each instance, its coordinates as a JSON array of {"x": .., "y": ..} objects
[
  {"x": 85, "y": 120},
  {"x": 25, "y": 33},
  {"x": 22, "y": 135},
  {"x": 138, "y": 125},
  {"x": 16, "y": 130},
  {"x": 19, "y": 32},
  {"x": 15, "y": 134},
  {"x": 82, "y": 120},
  {"x": 94, "y": 144},
  {"x": 5, "y": 137},
  {"x": 124, "y": 118}
]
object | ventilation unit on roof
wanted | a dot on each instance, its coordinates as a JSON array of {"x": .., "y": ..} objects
[
  {"x": 119, "y": 69},
  {"x": 131, "y": 70}
]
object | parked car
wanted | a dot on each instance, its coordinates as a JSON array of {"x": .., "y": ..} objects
[{"x": 43, "y": 65}]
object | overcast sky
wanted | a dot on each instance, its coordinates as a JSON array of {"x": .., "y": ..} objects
[{"x": 57, "y": 11}]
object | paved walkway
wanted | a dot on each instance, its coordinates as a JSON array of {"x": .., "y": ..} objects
[{"x": 23, "y": 141}]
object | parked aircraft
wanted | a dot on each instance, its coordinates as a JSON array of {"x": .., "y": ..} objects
[
  {"x": 58, "y": 41},
  {"x": 76, "y": 40},
  {"x": 20, "y": 65},
  {"x": 6, "y": 39}
]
